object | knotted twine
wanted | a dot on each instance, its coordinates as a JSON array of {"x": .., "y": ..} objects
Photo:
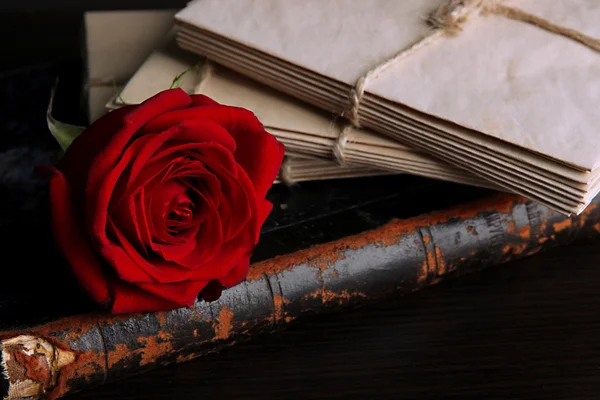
[{"x": 448, "y": 20}]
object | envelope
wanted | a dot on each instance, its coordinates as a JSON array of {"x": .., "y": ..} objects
[
  {"x": 509, "y": 94},
  {"x": 302, "y": 128},
  {"x": 116, "y": 44}
]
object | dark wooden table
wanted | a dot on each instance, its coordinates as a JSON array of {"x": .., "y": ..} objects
[{"x": 524, "y": 330}]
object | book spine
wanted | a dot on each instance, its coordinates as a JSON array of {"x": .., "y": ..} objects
[{"x": 403, "y": 256}]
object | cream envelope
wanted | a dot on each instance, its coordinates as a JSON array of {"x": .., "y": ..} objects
[
  {"x": 300, "y": 127},
  {"x": 117, "y": 43},
  {"x": 512, "y": 96},
  {"x": 297, "y": 168}
]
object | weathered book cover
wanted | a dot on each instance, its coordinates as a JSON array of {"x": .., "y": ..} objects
[{"x": 401, "y": 256}]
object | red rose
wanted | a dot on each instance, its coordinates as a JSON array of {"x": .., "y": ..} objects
[{"x": 154, "y": 203}]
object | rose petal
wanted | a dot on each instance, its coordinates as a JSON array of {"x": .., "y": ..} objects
[
  {"x": 159, "y": 171},
  {"x": 129, "y": 298},
  {"x": 176, "y": 148},
  {"x": 259, "y": 153},
  {"x": 240, "y": 202},
  {"x": 172, "y": 246},
  {"x": 142, "y": 218},
  {"x": 202, "y": 100},
  {"x": 253, "y": 200},
  {"x": 174, "y": 251},
  {"x": 132, "y": 223},
  {"x": 71, "y": 239},
  {"x": 97, "y": 210},
  {"x": 76, "y": 161},
  {"x": 212, "y": 291},
  {"x": 262, "y": 214},
  {"x": 106, "y": 160},
  {"x": 237, "y": 274},
  {"x": 184, "y": 132},
  {"x": 183, "y": 293},
  {"x": 134, "y": 120},
  {"x": 132, "y": 267},
  {"x": 198, "y": 131},
  {"x": 225, "y": 216},
  {"x": 158, "y": 234},
  {"x": 230, "y": 255},
  {"x": 162, "y": 197},
  {"x": 158, "y": 153},
  {"x": 208, "y": 239},
  {"x": 213, "y": 154}
]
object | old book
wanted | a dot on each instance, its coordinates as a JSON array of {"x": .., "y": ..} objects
[
  {"x": 79, "y": 352},
  {"x": 507, "y": 90},
  {"x": 302, "y": 128},
  {"x": 116, "y": 44}
]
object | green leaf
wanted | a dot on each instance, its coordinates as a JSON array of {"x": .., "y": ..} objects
[
  {"x": 177, "y": 81},
  {"x": 62, "y": 132},
  {"x": 114, "y": 82}
]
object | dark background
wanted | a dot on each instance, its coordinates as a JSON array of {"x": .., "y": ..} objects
[{"x": 525, "y": 330}]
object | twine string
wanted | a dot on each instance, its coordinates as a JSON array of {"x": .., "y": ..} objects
[
  {"x": 447, "y": 20},
  {"x": 340, "y": 145}
]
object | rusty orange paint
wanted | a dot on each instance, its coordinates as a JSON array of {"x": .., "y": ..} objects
[
  {"x": 196, "y": 315},
  {"x": 423, "y": 272},
  {"x": 426, "y": 240},
  {"x": 431, "y": 258},
  {"x": 162, "y": 317},
  {"x": 121, "y": 352},
  {"x": 440, "y": 262},
  {"x": 559, "y": 226},
  {"x": 533, "y": 251},
  {"x": 515, "y": 249},
  {"x": 223, "y": 324},
  {"x": 471, "y": 229},
  {"x": 324, "y": 261},
  {"x": 186, "y": 358},
  {"x": 328, "y": 296},
  {"x": 519, "y": 249},
  {"x": 525, "y": 232},
  {"x": 34, "y": 367},
  {"x": 279, "y": 302},
  {"x": 511, "y": 227},
  {"x": 154, "y": 348},
  {"x": 85, "y": 365}
]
